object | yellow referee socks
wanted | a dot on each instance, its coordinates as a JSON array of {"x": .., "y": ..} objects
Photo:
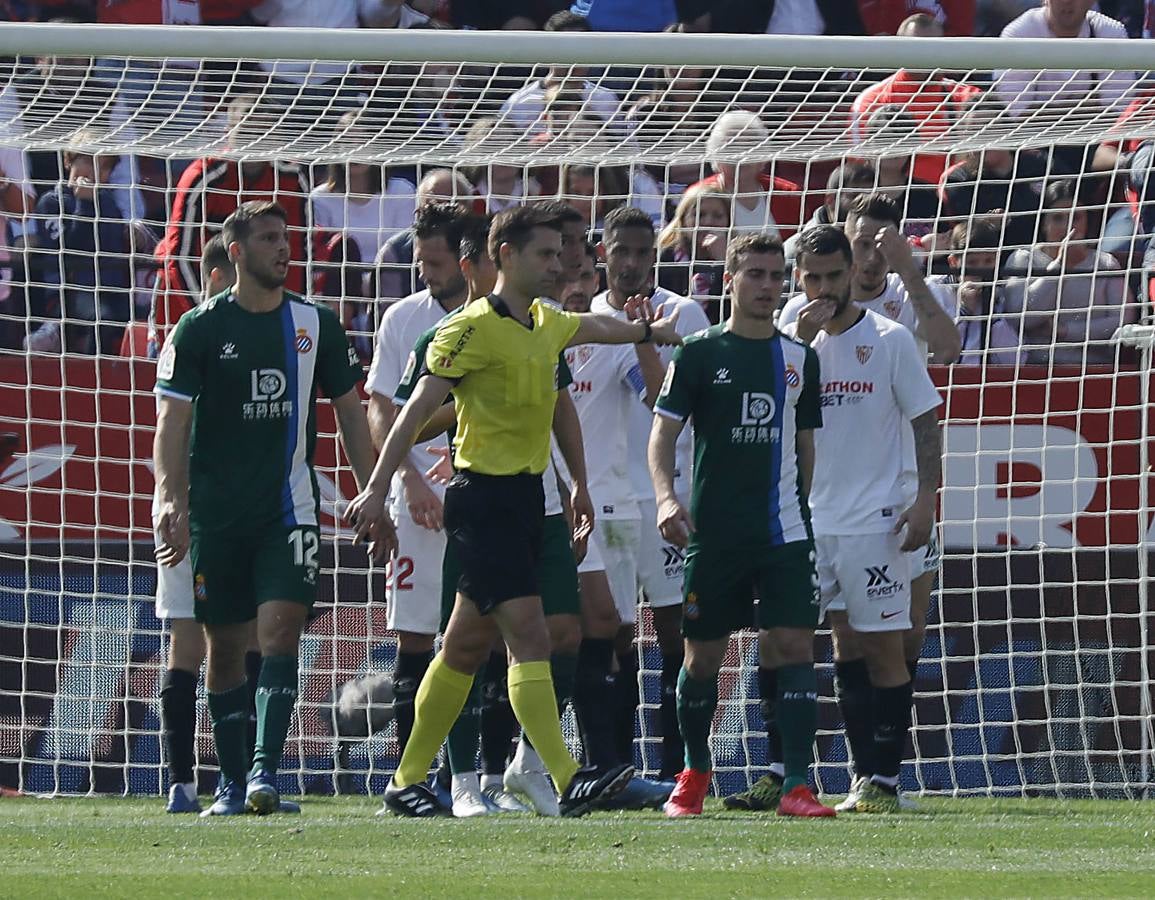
[
  {"x": 438, "y": 703},
  {"x": 531, "y": 696}
]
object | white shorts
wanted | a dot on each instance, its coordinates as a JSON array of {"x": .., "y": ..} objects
[
  {"x": 413, "y": 578},
  {"x": 174, "y": 584},
  {"x": 868, "y": 577},
  {"x": 593, "y": 558},
  {"x": 617, "y": 544},
  {"x": 925, "y": 559},
  {"x": 661, "y": 566}
]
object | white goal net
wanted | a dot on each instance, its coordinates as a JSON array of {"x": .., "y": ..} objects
[{"x": 1022, "y": 193}]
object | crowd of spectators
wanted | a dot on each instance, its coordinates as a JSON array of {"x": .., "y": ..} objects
[{"x": 1046, "y": 249}]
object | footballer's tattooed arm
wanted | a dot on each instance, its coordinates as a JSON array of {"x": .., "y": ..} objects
[{"x": 919, "y": 518}]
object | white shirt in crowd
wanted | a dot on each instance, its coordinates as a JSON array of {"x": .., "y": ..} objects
[
  {"x": 874, "y": 383},
  {"x": 401, "y": 325},
  {"x": 744, "y": 220},
  {"x": 325, "y": 14},
  {"x": 607, "y": 385},
  {"x": 369, "y": 221},
  {"x": 691, "y": 319},
  {"x": 1024, "y": 90},
  {"x": 525, "y": 109}
]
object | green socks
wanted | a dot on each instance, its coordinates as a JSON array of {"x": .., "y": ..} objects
[
  {"x": 697, "y": 701},
  {"x": 797, "y": 721},
  {"x": 276, "y": 697},
  {"x": 229, "y": 711}
]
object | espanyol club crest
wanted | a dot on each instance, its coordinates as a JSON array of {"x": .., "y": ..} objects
[
  {"x": 304, "y": 342},
  {"x": 863, "y": 351},
  {"x": 793, "y": 379}
]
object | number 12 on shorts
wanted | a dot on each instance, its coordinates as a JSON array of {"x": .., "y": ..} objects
[{"x": 305, "y": 546}]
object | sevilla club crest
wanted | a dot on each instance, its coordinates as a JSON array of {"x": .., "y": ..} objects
[{"x": 863, "y": 351}]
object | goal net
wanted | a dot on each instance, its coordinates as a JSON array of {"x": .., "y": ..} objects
[{"x": 1021, "y": 191}]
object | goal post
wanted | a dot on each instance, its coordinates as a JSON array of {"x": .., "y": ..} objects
[{"x": 1035, "y": 677}]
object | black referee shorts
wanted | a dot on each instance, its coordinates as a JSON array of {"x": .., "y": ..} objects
[{"x": 495, "y": 523}]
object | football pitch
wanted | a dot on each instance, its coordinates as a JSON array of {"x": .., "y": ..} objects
[{"x": 115, "y": 847}]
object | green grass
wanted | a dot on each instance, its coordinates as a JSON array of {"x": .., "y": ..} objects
[{"x": 336, "y": 848}]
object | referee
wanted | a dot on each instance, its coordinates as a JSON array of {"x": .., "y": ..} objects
[{"x": 499, "y": 357}]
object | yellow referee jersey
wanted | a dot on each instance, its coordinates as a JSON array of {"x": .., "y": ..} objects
[{"x": 506, "y": 382}]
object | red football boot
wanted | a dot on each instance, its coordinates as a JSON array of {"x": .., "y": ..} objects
[
  {"x": 801, "y": 802},
  {"x": 689, "y": 792}
]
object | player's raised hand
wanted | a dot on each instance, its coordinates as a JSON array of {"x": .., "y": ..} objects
[
  {"x": 424, "y": 505},
  {"x": 173, "y": 527},
  {"x": 895, "y": 248},
  {"x": 674, "y": 523},
  {"x": 441, "y": 472},
  {"x": 664, "y": 331},
  {"x": 639, "y": 308},
  {"x": 918, "y": 520}
]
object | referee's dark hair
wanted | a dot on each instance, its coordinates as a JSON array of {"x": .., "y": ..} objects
[
  {"x": 239, "y": 225},
  {"x": 822, "y": 240},
  {"x": 444, "y": 219},
  {"x": 875, "y": 206},
  {"x": 625, "y": 217},
  {"x": 473, "y": 237},
  {"x": 751, "y": 243},
  {"x": 515, "y": 226}
]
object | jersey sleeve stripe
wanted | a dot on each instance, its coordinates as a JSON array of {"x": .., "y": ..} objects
[
  {"x": 636, "y": 380},
  {"x": 169, "y": 392},
  {"x": 677, "y": 417}
]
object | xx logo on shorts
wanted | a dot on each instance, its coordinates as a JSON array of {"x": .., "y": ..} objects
[
  {"x": 879, "y": 583},
  {"x": 675, "y": 560}
]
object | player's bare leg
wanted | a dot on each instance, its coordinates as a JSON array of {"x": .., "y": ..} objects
[
  {"x": 178, "y": 704},
  {"x": 279, "y": 627}
]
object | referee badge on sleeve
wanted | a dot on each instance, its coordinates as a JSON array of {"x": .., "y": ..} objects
[{"x": 166, "y": 363}]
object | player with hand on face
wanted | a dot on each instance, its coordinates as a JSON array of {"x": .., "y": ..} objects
[
  {"x": 753, "y": 397},
  {"x": 880, "y": 422}
]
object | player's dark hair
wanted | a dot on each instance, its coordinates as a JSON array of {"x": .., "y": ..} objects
[
  {"x": 516, "y": 226},
  {"x": 876, "y": 206},
  {"x": 624, "y": 217},
  {"x": 822, "y": 240},
  {"x": 215, "y": 255},
  {"x": 850, "y": 175},
  {"x": 560, "y": 210},
  {"x": 1060, "y": 191},
  {"x": 751, "y": 243},
  {"x": 565, "y": 20},
  {"x": 239, "y": 225},
  {"x": 591, "y": 251},
  {"x": 441, "y": 219},
  {"x": 474, "y": 235}
]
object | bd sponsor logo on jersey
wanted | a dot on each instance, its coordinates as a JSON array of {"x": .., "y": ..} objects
[
  {"x": 757, "y": 414},
  {"x": 268, "y": 386},
  {"x": 880, "y": 584},
  {"x": 304, "y": 342},
  {"x": 845, "y": 393}
]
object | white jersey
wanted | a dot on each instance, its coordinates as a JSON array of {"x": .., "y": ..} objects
[
  {"x": 874, "y": 383},
  {"x": 607, "y": 385},
  {"x": 401, "y": 326},
  {"x": 691, "y": 319},
  {"x": 893, "y": 303}
]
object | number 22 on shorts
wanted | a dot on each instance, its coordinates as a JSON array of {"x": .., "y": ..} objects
[{"x": 399, "y": 574}]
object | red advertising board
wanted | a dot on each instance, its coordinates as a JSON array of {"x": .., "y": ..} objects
[{"x": 1033, "y": 457}]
